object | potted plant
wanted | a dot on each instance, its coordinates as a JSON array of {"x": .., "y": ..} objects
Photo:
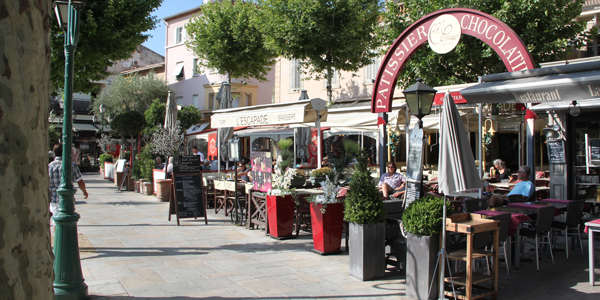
[
  {"x": 422, "y": 221},
  {"x": 299, "y": 179},
  {"x": 341, "y": 166},
  {"x": 280, "y": 204},
  {"x": 365, "y": 211},
  {"x": 327, "y": 220},
  {"x": 104, "y": 157},
  {"x": 317, "y": 176}
]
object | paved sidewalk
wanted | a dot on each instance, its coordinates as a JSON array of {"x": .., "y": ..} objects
[{"x": 129, "y": 250}]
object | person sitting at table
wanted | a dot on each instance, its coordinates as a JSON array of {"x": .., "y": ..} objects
[
  {"x": 169, "y": 167},
  {"x": 243, "y": 171},
  {"x": 498, "y": 172},
  {"x": 524, "y": 188},
  {"x": 392, "y": 182},
  {"x": 325, "y": 161}
]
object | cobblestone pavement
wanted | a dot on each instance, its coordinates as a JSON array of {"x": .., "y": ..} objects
[{"x": 129, "y": 250}]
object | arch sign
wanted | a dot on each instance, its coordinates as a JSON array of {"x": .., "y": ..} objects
[{"x": 442, "y": 29}]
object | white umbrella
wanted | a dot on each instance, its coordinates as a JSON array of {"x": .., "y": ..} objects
[
  {"x": 456, "y": 165},
  {"x": 224, "y": 96},
  {"x": 171, "y": 112}
]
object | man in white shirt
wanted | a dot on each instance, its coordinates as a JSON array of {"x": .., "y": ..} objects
[{"x": 196, "y": 152}]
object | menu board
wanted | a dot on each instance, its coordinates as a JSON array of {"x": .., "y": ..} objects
[
  {"x": 189, "y": 202},
  {"x": 414, "y": 164},
  {"x": 556, "y": 151},
  {"x": 594, "y": 150},
  {"x": 262, "y": 166},
  {"x": 186, "y": 164}
]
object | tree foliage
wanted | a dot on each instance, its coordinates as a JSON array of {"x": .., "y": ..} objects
[
  {"x": 155, "y": 116},
  {"x": 189, "y": 116},
  {"x": 545, "y": 26},
  {"x": 129, "y": 123},
  {"x": 324, "y": 35},
  {"x": 109, "y": 31},
  {"x": 135, "y": 93},
  {"x": 225, "y": 36}
]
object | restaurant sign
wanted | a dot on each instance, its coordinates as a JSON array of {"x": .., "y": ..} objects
[
  {"x": 269, "y": 115},
  {"x": 439, "y": 29}
]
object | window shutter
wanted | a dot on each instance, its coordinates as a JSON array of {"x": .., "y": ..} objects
[{"x": 293, "y": 75}]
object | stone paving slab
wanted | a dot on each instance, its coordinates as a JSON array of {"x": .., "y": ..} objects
[{"x": 131, "y": 251}]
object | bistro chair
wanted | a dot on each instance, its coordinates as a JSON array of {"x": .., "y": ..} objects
[
  {"x": 208, "y": 189},
  {"x": 504, "y": 239},
  {"x": 303, "y": 219},
  {"x": 220, "y": 196},
  {"x": 542, "y": 228},
  {"x": 235, "y": 202},
  {"x": 572, "y": 222}
]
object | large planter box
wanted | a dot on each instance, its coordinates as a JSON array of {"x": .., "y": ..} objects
[
  {"x": 367, "y": 251},
  {"x": 147, "y": 188},
  {"x": 163, "y": 189},
  {"x": 327, "y": 228},
  {"x": 280, "y": 215},
  {"x": 421, "y": 258},
  {"x": 316, "y": 181}
]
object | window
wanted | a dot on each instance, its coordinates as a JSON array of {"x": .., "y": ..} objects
[
  {"x": 196, "y": 67},
  {"x": 178, "y": 73},
  {"x": 295, "y": 75},
  {"x": 195, "y": 100},
  {"x": 335, "y": 79},
  {"x": 179, "y": 100},
  {"x": 178, "y": 35},
  {"x": 211, "y": 101},
  {"x": 371, "y": 70}
]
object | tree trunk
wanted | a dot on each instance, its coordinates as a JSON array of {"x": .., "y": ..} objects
[{"x": 25, "y": 253}]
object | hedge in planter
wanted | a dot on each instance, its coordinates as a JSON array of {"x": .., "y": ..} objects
[
  {"x": 365, "y": 211},
  {"x": 422, "y": 219}
]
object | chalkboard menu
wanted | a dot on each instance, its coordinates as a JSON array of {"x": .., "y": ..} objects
[
  {"x": 594, "y": 150},
  {"x": 189, "y": 202},
  {"x": 186, "y": 164},
  {"x": 556, "y": 151},
  {"x": 414, "y": 164}
]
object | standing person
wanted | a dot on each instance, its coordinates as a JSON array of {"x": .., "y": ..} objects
[
  {"x": 196, "y": 152},
  {"x": 392, "y": 182},
  {"x": 76, "y": 154},
  {"x": 54, "y": 173},
  {"x": 524, "y": 188}
]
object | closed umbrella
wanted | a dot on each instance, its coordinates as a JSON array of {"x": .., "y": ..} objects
[
  {"x": 456, "y": 168},
  {"x": 302, "y": 136},
  {"x": 171, "y": 112},
  {"x": 303, "y": 95},
  {"x": 224, "y": 96}
]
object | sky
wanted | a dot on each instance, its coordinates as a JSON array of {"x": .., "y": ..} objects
[{"x": 156, "y": 41}]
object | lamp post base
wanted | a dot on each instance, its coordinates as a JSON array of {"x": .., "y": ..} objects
[
  {"x": 68, "y": 281},
  {"x": 71, "y": 293}
]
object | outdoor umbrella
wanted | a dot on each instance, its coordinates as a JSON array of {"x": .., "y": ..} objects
[
  {"x": 224, "y": 96},
  {"x": 171, "y": 112},
  {"x": 457, "y": 170},
  {"x": 225, "y": 133},
  {"x": 303, "y": 95},
  {"x": 303, "y": 135}
]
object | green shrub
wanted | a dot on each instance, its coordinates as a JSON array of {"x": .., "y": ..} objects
[
  {"x": 363, "y": 204},
  {"x": 287, "y": 155},
  {"x": 105, "y": 157},
  {"x": 424, "y": 216},
  {"x": 144, "y": 164}
]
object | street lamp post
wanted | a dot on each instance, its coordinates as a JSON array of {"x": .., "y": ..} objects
[
  {"x": 419, "y": 98},
  {"x": 68, "y": 282},
  {"x": 102, "y": 110}
]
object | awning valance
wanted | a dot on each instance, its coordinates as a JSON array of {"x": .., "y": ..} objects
[
  {"x": 562, "y": 83},
  {"x": 85, "y": 127},
  {"x": 265, "y": 131},
  {"x": 271, "y": 114}
]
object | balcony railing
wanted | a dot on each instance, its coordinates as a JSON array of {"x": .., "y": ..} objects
[{"x": 591, "y": 4}]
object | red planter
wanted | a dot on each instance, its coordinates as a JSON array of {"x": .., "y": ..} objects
[
  {"x": 280, "y": 215},
  {"x": 327, "y": 228}
]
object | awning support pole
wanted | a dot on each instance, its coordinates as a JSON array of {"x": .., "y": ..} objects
[
  {"x": 319, "y": 140},
  {"x": 218, "y": 153},
  {"x": 383, "y": 143},
  {"x": 479, "y": 140}
]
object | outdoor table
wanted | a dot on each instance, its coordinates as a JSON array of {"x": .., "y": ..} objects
[
  {"x": 518, "y": 215},
  {"x": 456, "y": 196},
  {"x": 515, "y": 219},
  {"x": 590, "y": 228},
  {"x": 505, "y": 185},
  {"x": 557, "y": 211}
]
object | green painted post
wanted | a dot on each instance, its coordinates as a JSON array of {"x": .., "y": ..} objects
[{"x": 68, "y": 281}]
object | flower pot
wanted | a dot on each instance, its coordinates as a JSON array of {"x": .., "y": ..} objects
[
  {"x": 316, "y": 181},
  {"x": 297, "y": 182},
  {"x": 148, "y": 188},
  {"x": 130, "y": 182},
  {"x": 136, "y": 186},
  {"x": 102, "y": 173},
  {"x": 421, "y": 258},
  {"x": 327, "y": 228},
  {"x": 367, "y": 251},
  {"x": 280, "y": 215},
  {"x": 163, "y": 189}
]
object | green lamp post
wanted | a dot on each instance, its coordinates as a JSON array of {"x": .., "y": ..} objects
[{"x": 68, "y": 279}]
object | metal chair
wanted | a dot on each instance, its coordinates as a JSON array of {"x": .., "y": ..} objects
[
  {"x": 572, "y": 222},
  {"x": 236, "y": 201},
  {"x": 543, "y": 226},
  {"x": 471, "y": 205}
]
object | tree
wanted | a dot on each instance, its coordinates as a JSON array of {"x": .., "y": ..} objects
[
  {"x": 545, "y": 26},
  {"x": 225, "y": 36},
  {"x": 25, "y": 253},
  {"x": 135, "y": 93},
  {"x": 188, "y": 116},
  {"x": 128, "y": 123},
  {"x": 110, "y": 31},
  {"x": 155, "y": 116},
  {"x": 326, "y": 36}
]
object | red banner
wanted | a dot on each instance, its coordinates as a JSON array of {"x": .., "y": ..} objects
[
  {"x": 458, "y": 98},
  {"x": 212, "y": 146}
]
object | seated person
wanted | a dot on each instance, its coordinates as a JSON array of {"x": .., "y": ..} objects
[
  {"x": 243, "y": 171},
  {"x": 392, "y": 182},
  {"x": 325, "y": 161},
  {"x": 169, "y": 166},
  {"x": 524, "y": 188},
  {"x": 498, "y": 173}
]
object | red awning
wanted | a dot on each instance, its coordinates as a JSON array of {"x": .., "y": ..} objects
[{"x": 458, "y": 98}]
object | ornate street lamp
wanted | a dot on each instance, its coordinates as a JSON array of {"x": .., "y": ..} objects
[
  {"x": 419, "y": 98},
  {"x": 68, "y": 281},
  {"x": 102, "y": 110}
]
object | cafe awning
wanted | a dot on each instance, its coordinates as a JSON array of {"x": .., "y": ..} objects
[
  {"x": 588, "y": 104},
  {"x": 265, "y": 131},
  {"x": 561, "y": 83},
  {"x": 85, "y": 127},
  {"x": 271, "y": 114}
]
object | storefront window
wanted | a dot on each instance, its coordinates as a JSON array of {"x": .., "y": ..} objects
[{"x": 584, "y": 172}]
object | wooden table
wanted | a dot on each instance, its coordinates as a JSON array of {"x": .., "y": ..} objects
[{"x": 591, "y": 227}]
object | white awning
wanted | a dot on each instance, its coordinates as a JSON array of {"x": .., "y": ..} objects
[
  {"x": 359, "y": 117},
  {"x": 564, "y": 105},
  {"x": 271, "y": 114},
  {"x": 178, "y": 70},
  {"x": 265, "y": 132}
]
